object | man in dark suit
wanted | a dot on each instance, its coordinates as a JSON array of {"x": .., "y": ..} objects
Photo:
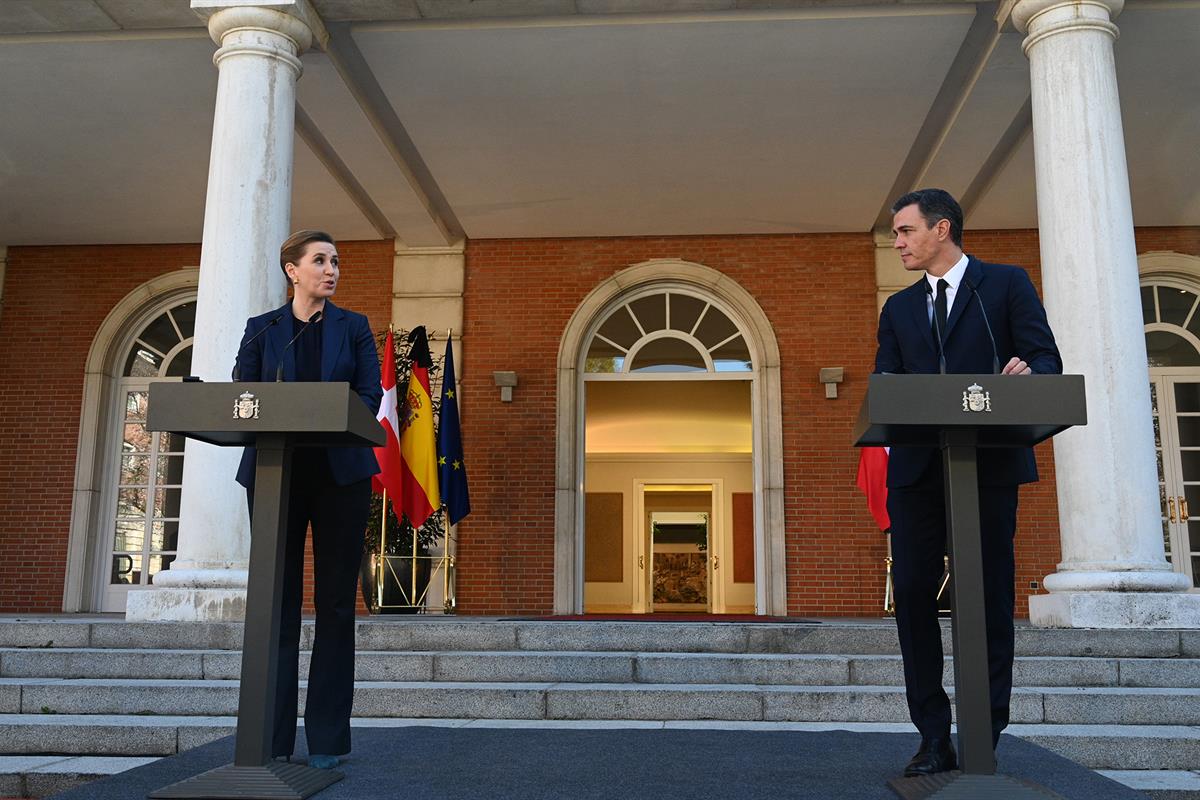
[{"x": 948, "y": 303}]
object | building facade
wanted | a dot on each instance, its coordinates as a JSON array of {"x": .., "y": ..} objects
[{"x": 669, "y": 444}]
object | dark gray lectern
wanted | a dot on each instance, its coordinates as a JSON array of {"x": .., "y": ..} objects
[
  {"x": 276, "y": 418},
  {"x": 958, "y": 414}
]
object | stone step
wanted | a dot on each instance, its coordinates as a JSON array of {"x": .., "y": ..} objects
[
  {"x": 42, "y": 776},
  {"x": 439, "y": 634},
  {"x": 1138, "y": 748},
  {"x": 1159, "y": 784},
  {"x": 557, "y": 700},
  {"x": 594, "y": 667}
]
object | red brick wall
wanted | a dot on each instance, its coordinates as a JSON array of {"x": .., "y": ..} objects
[
  {"x": 818, "y": 291},
  {"x": 55, "y": 299},
  {"x": 1180, "y": 240}
]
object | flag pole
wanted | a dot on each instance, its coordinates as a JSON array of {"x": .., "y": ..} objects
[
  {"x": 379, "y": 568},
  {"x": 446, "y": 560},
  {"x": 412, "y": 573},
  {"x": 382, "y": 566},
  {"x": 446, "y": 512}
]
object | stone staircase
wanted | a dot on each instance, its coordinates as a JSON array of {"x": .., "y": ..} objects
[{"x": 83, "y": 697}]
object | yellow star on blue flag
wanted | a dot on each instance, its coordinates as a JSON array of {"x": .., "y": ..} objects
[{"x": 452, "y": 476}]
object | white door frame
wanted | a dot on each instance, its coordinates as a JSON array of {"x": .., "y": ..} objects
[
  {"x": 716, "y": 540},
  {"x": 1165, "y": 379},
  {"x": 770, "y": 574}
]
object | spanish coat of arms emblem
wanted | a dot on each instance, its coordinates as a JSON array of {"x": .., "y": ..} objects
[
  {"x": 246, "y": 406},
  {"x": 976, "y": 399}
]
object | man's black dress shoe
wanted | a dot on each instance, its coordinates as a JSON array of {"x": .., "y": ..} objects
[{"x": 935, "y": 755}]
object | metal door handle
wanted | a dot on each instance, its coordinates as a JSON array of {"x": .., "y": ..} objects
[
  {"x": 716, "y": 563},
  {"x": 641, "y": 562},
  {"x": 1183, "y": 509},
  {"x": 1171, "y": 509}
]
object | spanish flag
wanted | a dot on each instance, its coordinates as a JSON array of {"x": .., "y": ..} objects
[{"x": 419, "y": 496}]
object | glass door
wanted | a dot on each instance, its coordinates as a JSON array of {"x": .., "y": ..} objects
[
  {"x": 1175, "y": 402},
  {"x": 146, "y": 473},
  {"x": 146, "y": 522}
]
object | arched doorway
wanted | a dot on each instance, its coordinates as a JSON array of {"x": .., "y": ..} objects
[
  {"x": 127, "y": 479},
  {"x": 650, "y": 362},
  {"x": 668, "y": 457},
  {"x": 1171, "y": 313}
]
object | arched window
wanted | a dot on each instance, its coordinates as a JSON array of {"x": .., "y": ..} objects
[
  {"x": 1171, "y": 313},
  {"x": 667, "y": 331},
  {"x": 148, "y": 465},
  {"x": 1172, "y": 325}
]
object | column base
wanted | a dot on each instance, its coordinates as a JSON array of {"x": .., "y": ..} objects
[
  {"x": 164, "y": 604},
  {"x": 1115, "y": 610}
]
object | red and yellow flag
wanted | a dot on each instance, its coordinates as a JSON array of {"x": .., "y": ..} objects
[{"x": 419, "y": 496}]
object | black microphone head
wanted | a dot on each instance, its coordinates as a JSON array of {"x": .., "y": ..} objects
[
  {"x": 928, "y": 288},
  {"x": 316, "y": 317}
]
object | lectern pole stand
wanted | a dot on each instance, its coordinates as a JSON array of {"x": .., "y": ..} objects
[
  {"x": 253, "y": 774},
  {"x": 277, "y": 418},
  {"x": 977, "y": 779},
  {"x": 972, "y": 695}
]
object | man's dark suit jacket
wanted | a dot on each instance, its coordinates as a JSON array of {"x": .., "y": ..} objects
[
  {"x": 1018, "y": 319},
  {"x": 347, "y": 354}
]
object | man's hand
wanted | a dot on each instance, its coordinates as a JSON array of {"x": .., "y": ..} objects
[{"x": 1016, "y": 366}]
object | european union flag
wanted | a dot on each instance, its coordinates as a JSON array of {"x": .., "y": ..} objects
[{"x": 452, "y": 469}]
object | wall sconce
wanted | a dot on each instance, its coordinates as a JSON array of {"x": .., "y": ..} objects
[
  {"x": 506, "y": 381},
  {"x": 831, "y": 377}
]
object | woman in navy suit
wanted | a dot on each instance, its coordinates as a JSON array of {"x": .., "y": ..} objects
[{"x": 311, "y": 339}]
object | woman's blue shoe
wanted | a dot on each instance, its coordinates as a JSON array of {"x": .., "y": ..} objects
[{"x": 323, "y": 762}]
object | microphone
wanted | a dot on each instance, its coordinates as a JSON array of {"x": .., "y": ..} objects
[
  {"x": 987, "y": 325},
  {"x": 937, "y": 326},
  {"x": 279, "y": 370},
  {"x": 237, "y": 360}
]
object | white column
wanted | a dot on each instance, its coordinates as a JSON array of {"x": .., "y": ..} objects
[
  {"x": 1114, "y": 572},
  {"x": 246, "y": 217}
]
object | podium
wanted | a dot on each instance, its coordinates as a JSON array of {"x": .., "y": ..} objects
[
  {"x": 959, "y": 414},
  {"x": 276, "y": 418}
]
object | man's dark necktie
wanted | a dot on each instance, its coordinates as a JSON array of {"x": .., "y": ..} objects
[{"x": 939, "y": 310}]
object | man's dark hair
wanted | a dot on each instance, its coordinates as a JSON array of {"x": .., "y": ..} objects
[{"x": 935, "y": 205}]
